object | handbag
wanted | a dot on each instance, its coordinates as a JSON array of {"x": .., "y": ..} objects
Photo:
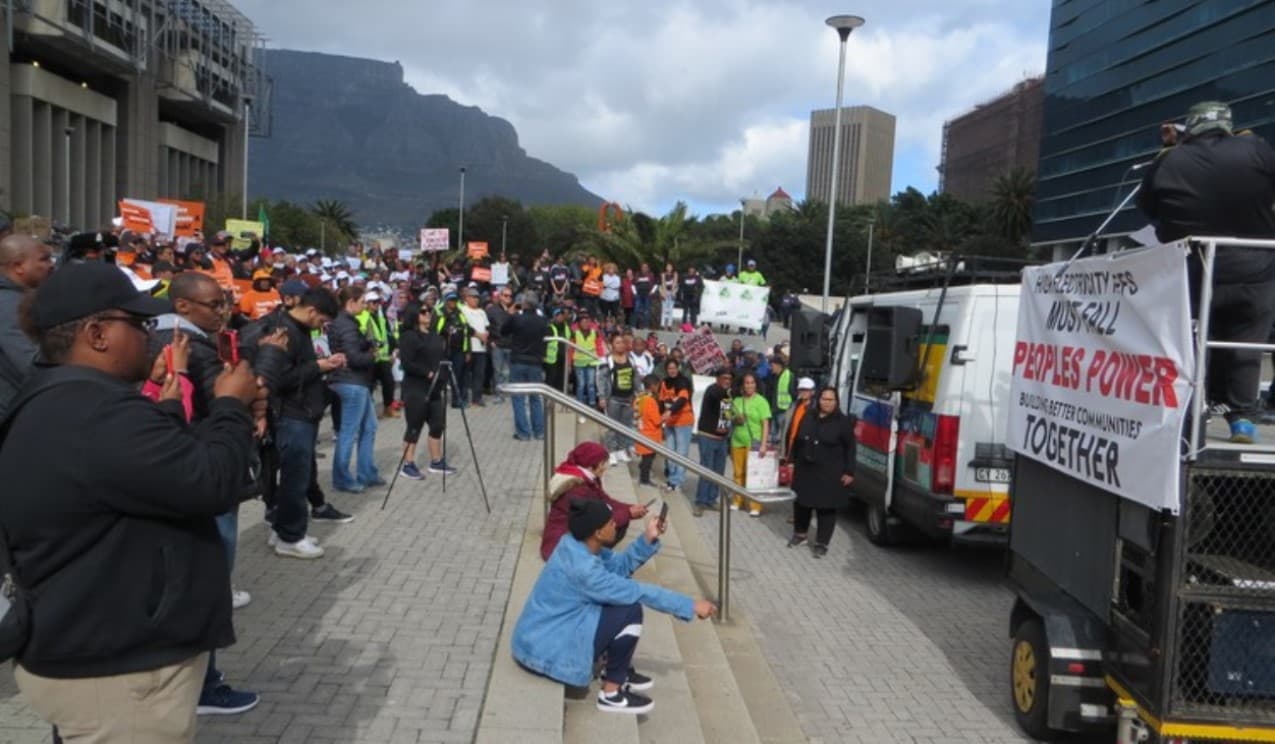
[{"x": 785, "y": 474}]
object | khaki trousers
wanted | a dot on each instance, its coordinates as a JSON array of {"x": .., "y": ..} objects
[{"x": 152, "y": 707}]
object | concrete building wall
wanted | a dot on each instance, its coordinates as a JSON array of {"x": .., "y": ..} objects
[
  {"x": 867, "y": 155},
  {"x": 991, "y": 140}
]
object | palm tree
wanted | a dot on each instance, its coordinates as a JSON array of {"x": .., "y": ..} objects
[
  {"x": 337, "y": 215},
  {"x": 1013, "y": 196}
]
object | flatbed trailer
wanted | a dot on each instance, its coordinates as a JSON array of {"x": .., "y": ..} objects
[{"x": 1154, "y": 625}]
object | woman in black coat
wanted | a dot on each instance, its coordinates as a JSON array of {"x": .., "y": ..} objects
[
  {"x": 823, "y": 469},
  {"x": 420, "y": 352}
]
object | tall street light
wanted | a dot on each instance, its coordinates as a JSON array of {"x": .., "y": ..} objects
[
  {"x": 867, "y": 277},
  {"x": 739, "y": 262},
  {"x": 844, "y": 24},
  {"x": 460, "y": 228},
  {"x": 504, "y": 232}
]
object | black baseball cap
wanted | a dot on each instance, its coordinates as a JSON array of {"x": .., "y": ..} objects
[
  {"x": 293, "y": 288},
  {"x": 82, "y": 289}
]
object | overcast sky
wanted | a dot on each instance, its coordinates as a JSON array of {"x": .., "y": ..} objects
[{"x": 657, "y": 101}]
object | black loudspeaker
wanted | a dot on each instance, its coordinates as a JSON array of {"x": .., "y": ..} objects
[
  {"x": 807, "y": 346},
  {"x": 889, "y": 352}
]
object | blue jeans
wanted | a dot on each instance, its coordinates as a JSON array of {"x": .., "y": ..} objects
[
  {"x": 679, "y": 438},
  {"x": 500, "y": 367},
  {"x": 358, "y": 421},
  {"x": 587, "y": 385},
  {"x": 641, "y": 311},
  {"x": 520, "y": 372},
  {"x": 713, "y": 454},
  {"x": 228, "y": 528},
  {"x": 295, "y": 439}
]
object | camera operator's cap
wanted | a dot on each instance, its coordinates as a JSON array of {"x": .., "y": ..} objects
[
  {"x": 586, "y": 516},
  {"x": 805, "y": 383},
  {"x": 1208, "y": 116},
  {"x": 82, "y": 289},
  {"x": 293, "y": 288}
]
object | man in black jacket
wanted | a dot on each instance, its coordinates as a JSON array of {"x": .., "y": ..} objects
[
  {"x": 200, "y": 310},
  {"x": 117, "y": 545},
  {"x": 24, "y": 265},
  {"x": 298, "y": 397},
  {"x": 525, "y": 334},
  {"x": 1217, "y": 183}
]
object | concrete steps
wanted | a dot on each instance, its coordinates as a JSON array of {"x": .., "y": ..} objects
[{"x": 712, "y": 683}]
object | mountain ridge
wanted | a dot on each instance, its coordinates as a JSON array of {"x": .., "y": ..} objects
[{"x": 352, "y": 129}]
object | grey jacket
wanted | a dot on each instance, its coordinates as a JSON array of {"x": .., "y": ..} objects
[{"x": 17, "y": 352}]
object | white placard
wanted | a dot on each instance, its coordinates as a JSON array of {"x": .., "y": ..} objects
[
  {"x": 1101, "y": 371},
  {"x": 163, "y": 216},
  {"x": 500, "y": 274},
  {"x": 435, "y": 239},
  {"x": 733, "y": 304}
]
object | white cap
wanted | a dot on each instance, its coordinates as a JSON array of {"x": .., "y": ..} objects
[
  {"x": 372, "y": 296},
  {"x": 277, "y": 249},
  {"x": 325, "y": 278},
  {"x": 342, "y": 275},
  {"x": 805, "y": 383}
]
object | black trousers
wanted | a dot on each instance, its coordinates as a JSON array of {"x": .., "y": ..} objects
[
  {"x": 422, "y": 410},
  {"x": 1241, "y": 313},
  {"x": 383, "y": 373},
  {"x": 801, "y": 522},
  {"x": 553, "y": 376}
]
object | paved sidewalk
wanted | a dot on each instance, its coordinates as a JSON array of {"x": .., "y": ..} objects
[
  {"x": 900, "y": 645},
  {"x": 390, "y": 636}
]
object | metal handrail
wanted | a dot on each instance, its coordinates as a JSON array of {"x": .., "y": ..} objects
[
  {"x": 1202, "y": 343},
  {"x": 723, "y": 535}
]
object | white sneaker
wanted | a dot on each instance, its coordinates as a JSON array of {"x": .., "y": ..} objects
[
  {"x": 302, "y": 548},
  {"x": 614, "y": 459},
  {"x": 272, "y": 539},
  {"x": 624, "y": 456},
  {"x": 239, "y": 599}
]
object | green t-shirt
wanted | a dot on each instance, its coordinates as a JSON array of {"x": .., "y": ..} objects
[{"x": 755, "y": 411}]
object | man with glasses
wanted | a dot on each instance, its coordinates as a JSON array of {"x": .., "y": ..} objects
[
  {"x": 200, "y": 312},
  {"x": 116, "y": 544},
  {"x": 499, "y": 310}
]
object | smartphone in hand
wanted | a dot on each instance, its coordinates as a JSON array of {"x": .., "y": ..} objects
[
  {"x": 228, "y": 347},
  {"x": 168, "y": 360},
  {"x": 664, "y": 515}
]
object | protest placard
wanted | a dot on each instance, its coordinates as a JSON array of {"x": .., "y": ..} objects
[
  {"x": 1101, "y": 371},
  {"x": 435, "y": 239},
  {"x": 477, "y": 250},
  {"x": 190, "y": 217},
  {"x": 240, "y": 229},
  {"x": 733, "y": 304},
  {"x": 701, "y": 351},
  {"x": 161, "y": 218}
]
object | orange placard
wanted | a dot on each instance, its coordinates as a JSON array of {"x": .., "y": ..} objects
[
  {"x": 593, "y": 287},
  {"x": 136, "y": 218},
  {"x": 190, "y": 217},
  {"x": 481, "y": 274},
  {"x": 477, "y": 250}
]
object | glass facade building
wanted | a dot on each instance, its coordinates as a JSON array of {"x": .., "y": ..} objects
[{"x": 1116, "y": 70}]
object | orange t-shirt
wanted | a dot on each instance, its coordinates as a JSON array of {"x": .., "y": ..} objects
[
  {"x": 647, "y": 409},
  {"x": 258, "y": 304}
]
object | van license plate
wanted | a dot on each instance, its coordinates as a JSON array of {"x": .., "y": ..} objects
[{"x": 991, "y": 475}]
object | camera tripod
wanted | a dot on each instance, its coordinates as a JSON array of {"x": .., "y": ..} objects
[{"x": 451, "y": 377}]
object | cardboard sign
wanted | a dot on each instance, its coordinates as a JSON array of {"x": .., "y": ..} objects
[
  {"x": 136, "y": 217},
  {"x": 477, "y": 250},
  {"x": 190, "y": 217},
  {"x": 161, "y": 217},
  {"x": 435, "y": 239},
  {"x": 480, "y": 274},
  {"x": 733, "y": 304},
  {"x": 237, "y": 228},
  {"x": 702, "y": 352},
  {"x": 1101, "y": 371}
]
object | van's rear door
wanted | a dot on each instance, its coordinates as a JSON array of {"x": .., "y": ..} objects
[{"x": 983, "y": 461}]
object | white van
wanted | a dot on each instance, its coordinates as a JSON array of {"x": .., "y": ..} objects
[{"x": 926, "y": 373}]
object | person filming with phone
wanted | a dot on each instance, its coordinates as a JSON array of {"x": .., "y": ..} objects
[
  {"x": 115, "y": 547},
  {"x": 586, "y": 590}
]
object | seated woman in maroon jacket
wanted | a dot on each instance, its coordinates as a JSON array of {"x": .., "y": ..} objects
[{"x": 580, "y": 477}]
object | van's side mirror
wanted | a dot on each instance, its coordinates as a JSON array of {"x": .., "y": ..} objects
[{"x": 890, "y": 350}]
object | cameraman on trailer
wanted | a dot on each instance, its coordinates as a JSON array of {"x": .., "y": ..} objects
[{"x": 1214, "y": 182}]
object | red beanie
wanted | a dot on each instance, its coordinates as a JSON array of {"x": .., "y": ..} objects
[{"x": 587, "y": 455}]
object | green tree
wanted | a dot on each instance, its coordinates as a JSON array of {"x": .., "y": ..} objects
[
  {"x": 338, "y": 218},
  {"x": 1013, "y": 197}
]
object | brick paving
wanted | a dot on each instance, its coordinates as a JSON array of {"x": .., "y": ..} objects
[
  {"x": 873, "y": 645},
  {"x": 390, "y": 636}
]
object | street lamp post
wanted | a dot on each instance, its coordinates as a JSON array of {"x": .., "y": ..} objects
[
  {"x": 844, "y": 24},
  {"x": 460, "y": 228},
  {"x": 867, "y": 276},
  {"x": 739, "y": 261},
  {"x": 504, "y": 232}
]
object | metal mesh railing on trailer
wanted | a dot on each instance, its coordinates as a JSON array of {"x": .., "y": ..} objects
[{"x": 1225, "y": 656}]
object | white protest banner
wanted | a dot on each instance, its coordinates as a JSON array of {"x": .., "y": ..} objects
[
  {"x": 500, "y": 274},
  {"x": 435, "y": 239},
  {"x": 163, "y": 216},
  {"x": 702, "y": 351},
  {"x": 406, "y": 254},
  {"x": 734, "y": 304},
  {"x": 1101, "y": 371}
]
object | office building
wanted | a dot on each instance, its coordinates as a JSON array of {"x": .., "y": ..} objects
[
  {"x": 867, "y": 155},
  {"x": 992, "y": 139},
  {"x": 1117, "y": 70},
  {"x": 146, "y": 99}
]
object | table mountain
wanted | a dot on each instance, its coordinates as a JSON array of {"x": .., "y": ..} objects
[{"x": 351, "y": 129}]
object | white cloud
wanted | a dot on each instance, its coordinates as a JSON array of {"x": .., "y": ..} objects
[{"x": 706, "y": 101}]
